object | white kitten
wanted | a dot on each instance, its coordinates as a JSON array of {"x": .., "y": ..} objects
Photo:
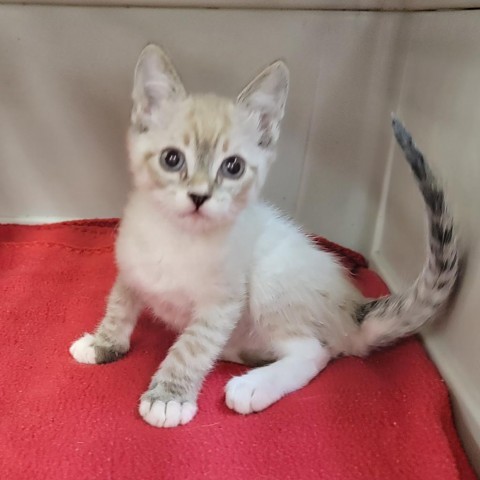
[{"x": 234, "y": 277}]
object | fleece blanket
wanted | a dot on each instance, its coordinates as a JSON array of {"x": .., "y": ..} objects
[{"x": 384, "y": 417}]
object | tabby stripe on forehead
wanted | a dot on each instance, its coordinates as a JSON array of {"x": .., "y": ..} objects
[
  {"x": 206, "y": 142},
  {"x": 203, "y": 155}
]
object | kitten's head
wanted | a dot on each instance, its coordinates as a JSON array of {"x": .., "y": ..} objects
[{"x": 202, "y": 158}]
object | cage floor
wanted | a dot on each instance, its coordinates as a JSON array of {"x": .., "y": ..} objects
[{"x": 385, "y": 417}]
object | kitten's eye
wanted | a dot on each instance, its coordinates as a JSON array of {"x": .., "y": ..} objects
[
  {"x": 172, "y": 159},
  {"x": 233, "y": 167}
]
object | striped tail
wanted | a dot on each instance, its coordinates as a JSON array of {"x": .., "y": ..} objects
[{"x": 384, "y": 320}]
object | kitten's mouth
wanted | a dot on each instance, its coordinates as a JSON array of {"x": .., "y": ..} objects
[{"x": 194, "y": 214}]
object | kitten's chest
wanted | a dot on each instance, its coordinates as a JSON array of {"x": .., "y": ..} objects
[{"x": 172, "y": 276}]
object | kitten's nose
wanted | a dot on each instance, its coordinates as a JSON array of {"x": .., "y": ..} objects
[{"x": 198, "y": 200}]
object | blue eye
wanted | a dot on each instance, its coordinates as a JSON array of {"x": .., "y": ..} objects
[
  {"x": 233, "y": 167},
  {"x": 172, "y": 159}
]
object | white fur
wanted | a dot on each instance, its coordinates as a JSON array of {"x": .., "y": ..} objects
[
  {"x": 259, "y": 388},
  {"x": 170, "y": 414},
  {"x": 235, "y": 273},
  {"x": 82, "y": 350},
  {"x": 237, "y": 280},
  {"x": 288, "y": 281},
  {"x": 176, "y": 272}
]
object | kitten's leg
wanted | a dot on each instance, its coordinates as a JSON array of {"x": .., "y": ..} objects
[
  {"x": 111, "y": 339},
  {"x": 246, "y": 347},
  {"x": 171, "y": 399},
  {"x": 300, "y": 360}
]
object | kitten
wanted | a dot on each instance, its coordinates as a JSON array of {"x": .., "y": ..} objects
[{"x": 234, "y": 277}]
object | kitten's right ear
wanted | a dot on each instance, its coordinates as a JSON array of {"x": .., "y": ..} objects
[{"x": 155, "y": 83}]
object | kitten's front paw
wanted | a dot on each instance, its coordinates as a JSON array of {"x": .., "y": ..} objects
[
  {"x": 160, "y": 409},
  {"x": 83, "y": 350},
  {"x": 88, "y": 350}
]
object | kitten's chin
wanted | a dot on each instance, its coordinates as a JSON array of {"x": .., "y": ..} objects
[
  {"x": 201, "y": 221},
  {"x": 200, "y": 224}
]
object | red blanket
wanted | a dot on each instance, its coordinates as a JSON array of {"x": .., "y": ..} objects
[{"x": 386, "y": 417}]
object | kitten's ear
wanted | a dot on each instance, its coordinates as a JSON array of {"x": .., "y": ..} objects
[
  {"x": 266, "y": 96},
  {"x": 155, "y": 83}
]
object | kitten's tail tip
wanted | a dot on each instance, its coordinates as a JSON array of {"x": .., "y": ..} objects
[
  {"x": 397, "y": 125},
  {"x": 402, "y": 135},
  {"x": 394, "y": 118}
]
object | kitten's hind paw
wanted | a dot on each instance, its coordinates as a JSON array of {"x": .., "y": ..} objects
[
  {"x": 246, "y": 395},
  {"x": 167, "y": 414}
]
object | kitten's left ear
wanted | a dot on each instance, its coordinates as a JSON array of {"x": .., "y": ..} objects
[
  {"x": 155, "y": 83},
  {"x": 266, "y": 96}
]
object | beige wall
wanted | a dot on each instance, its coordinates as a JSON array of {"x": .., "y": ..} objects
[
  {"x": 440, "y": 102},
  {"x": 65, "y": 78}
]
